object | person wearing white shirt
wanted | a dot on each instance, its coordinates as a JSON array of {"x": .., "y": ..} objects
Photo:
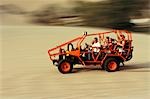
[{"x": 95, "y": 47}]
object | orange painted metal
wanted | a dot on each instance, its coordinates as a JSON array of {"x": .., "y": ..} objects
[
  {"x": 112, "y": 65},
  {"x": 77, "y": 52},
  {"x": 65, "y": 66}
]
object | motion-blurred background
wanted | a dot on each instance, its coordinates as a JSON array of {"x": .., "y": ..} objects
[
  {"x": 28, "y": 28},
  {"x": 119, "y": 14}
]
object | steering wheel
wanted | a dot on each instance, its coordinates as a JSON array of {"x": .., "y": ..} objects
[{"x": 68, "y": 47}]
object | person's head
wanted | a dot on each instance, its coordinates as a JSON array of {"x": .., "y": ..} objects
[
  {"x": 122, "y": 37},
  {"x": 95, "y": 39},
  {"x": 112, "y": 40},
  {"x": 107, "y": 39}
]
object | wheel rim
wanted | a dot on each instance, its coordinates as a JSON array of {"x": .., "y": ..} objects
[
  {"x": 65, "y": 66},
  {"x": 112, "y": 65}
]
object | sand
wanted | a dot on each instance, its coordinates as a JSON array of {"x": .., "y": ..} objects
[{"x": 27, "y": 73}]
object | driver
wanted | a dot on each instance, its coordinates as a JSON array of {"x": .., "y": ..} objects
[{"x": 95, "y": 47}]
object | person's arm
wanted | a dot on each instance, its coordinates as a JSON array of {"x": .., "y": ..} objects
[{"x": 122, "y": 43}]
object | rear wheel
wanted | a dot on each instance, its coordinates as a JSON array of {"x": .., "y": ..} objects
[
  {"x": 65, "y": 66},
  {"x": 111, "y": 65}
]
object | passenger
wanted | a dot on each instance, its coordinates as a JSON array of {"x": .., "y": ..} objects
[
  {"x": 112, "y": 45},
  {"x": 106, "y": 42},
  {"x": 121, "y": 43},
  {"x": 109, "y": 44}
]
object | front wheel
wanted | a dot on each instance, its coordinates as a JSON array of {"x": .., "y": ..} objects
[
  {"x": 111, "y": 65},
  {"x": 65, "y": 66}
]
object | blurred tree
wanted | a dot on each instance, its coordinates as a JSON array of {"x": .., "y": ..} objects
[
  {"x": 110, "y": 13},
  {"x": 45, "y": 15},
  {"x": 122, "y": 10}
]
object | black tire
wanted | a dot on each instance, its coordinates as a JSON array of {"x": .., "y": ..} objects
[
  {"x": 111, "y": 65},
  {"x": 65, "y": 66}
]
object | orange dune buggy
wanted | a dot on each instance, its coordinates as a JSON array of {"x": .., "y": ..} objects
[{"x": 66, "y": 55}]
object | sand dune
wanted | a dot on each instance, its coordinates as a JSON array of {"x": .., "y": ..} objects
[{"x": 27, "y": 72}]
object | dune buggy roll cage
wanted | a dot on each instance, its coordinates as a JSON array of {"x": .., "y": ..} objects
[{"x": 77, "y": 51}]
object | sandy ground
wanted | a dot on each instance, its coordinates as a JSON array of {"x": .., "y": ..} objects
[{"x": 27, "y": 73}]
